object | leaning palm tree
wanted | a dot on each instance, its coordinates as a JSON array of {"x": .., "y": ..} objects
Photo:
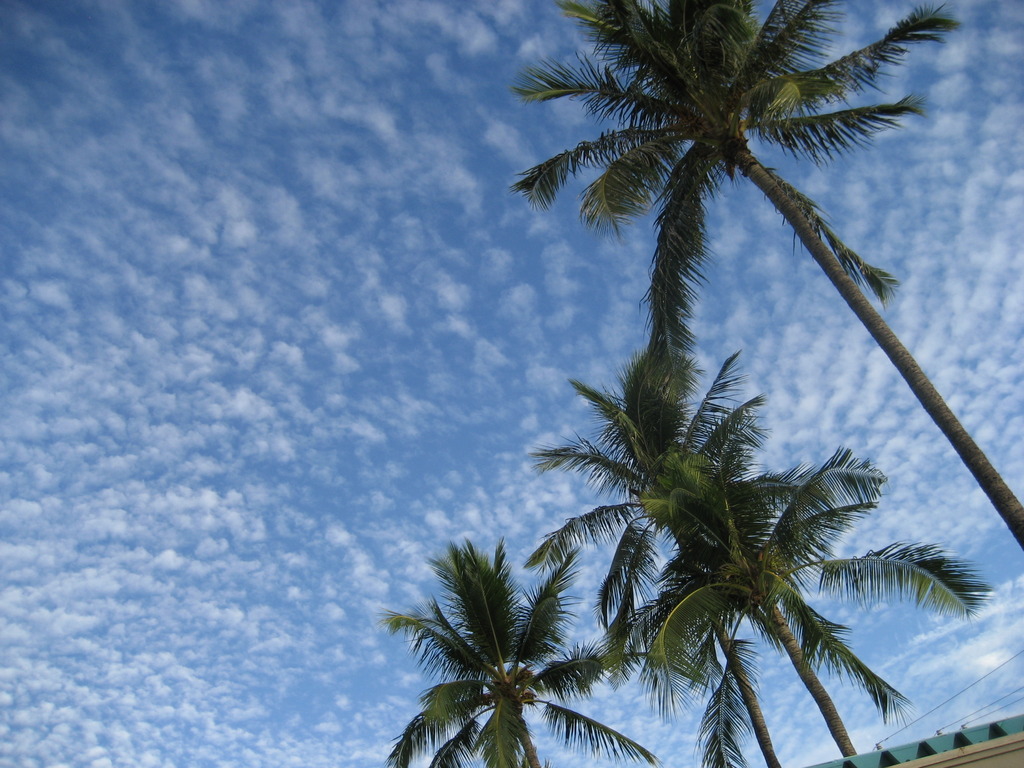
[
  {"x": 500, "y": 652},
  {"x": 746, "y": 548},
  {"x": 689, "y": 83}
]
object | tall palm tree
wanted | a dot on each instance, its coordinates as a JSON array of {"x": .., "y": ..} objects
[
  {"x": 674, "y": 463},
  {"x": 500, "y": 651},
  {"x": 689, "y": 83}
]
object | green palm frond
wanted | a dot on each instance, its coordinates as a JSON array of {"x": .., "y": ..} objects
[
  {"x": 603, "y": 95},
  {"x": 452, "y": 701},
  {"x": 681, "y": 251},
  {"x": 542, "y": 183},
  {"x": 419, "y": 736},
  {"x": 541, "y": 628},
  {"x": 581, "y": 731},
  {"x": 725, "y": 724},
  {"x": 459, "y": 750},
  {"x": 718, "y": 403},
  {"x": 678, "y": 505},
  {"x": 782, "y": 98},
  {"x": 632, "y": 571},
  {"x": 628, "y": 185},
  {"x": 732, "y": 439},
  {"x": 438, "y": 644},
  {"x": 480, "y": 598},
  {"x": 502, "y": 738},
  {"x": 879, "y": 282},
  {"x": 574, "y": 675},
  {"x": 636, "y": 427},
  {"x": 921, "y": 572},
  {"x": 685, "y": 625},
  {"x": 821, "y": 504},
  {"x": 824, "y": 645},
  {"x": 822, "y": 137},
  {"x": 605, "y": 473},
  {"x": 602, "y": 524},
  {"x": 794, "y": 38},
  {"x": 861, "y": 68}
]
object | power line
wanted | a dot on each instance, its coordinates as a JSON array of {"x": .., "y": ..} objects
[
  {"x": 936, "y": 708},
  {"x": 966, "y": 719}
]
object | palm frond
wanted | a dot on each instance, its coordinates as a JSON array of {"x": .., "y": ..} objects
[
  {"x": 793, "y": 38},
  {"x": 418, "y": 737},
  {"x": 459, "y": 750},
  {"x": 921, "y": 572},
  {"x": 574, "y": 675},
  {"x": 600, "y": 90},
  {"x": 681, "y": 250},
  {"x": 686, "y": 624},
  {"x": 822, "y": 503},
  {"x": 821, "y": 137},
  {"x": 630, "y": 575},
  {"x": 599, "y": 525},
  {"x": 732, "y": 438},
  {"x": 725, "y": 724},
  {"x": 784, "y": 97},
  {"x": 824, "y": 644},
  {"x": 581, "y": 731},
  {"x": 603, "y": 472},
  {"x": 717, "y": 402},
  {"x": 861, "y": 68},
  {"x": 628, "y": 185},
  {"x": 481, "y": 598},
  {"x": 541, "y": 628},
  {"x": 502, "y": 738},
  {"x": 880, "y": 283},
  {"x": 437, "y": 643},
  {"x": 453, "y": 700}
]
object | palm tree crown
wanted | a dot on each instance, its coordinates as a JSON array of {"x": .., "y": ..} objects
[
  {"x": 500, "y": 651},
  {"x": 688, "y": 84},
  {"x": 713, "y": 543},
  {"x": 747, "y": 547}
]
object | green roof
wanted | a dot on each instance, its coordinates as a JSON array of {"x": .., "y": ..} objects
[{"x": 944, "y": 742}]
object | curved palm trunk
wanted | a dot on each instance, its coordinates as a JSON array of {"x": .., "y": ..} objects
[
  {"x": 529, "y": 748},
  {"x": 757, "y": 722},
  {"x": 813, "y": 684},
  {"x": 998, "y": 492},
  {"x": 531, "y": 752}
]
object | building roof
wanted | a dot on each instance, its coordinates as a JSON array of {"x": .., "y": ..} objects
[{"x": 936, "y": 745}]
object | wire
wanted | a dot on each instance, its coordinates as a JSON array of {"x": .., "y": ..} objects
[
  {"x": 964, "y": 690},
  {"x": 966, "y": 719}
]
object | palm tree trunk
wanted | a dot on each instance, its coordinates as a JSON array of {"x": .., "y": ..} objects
[
  {"x": 529, "y": 748},
  {"x": 998, "y": 492},
  {"x": 531, "y": 753},
  {"x": 813, "y": 684},
  {"x": 757, "y": 721}
]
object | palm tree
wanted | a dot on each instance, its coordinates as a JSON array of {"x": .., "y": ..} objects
[
  {"x": 651, "y": 419},
  {"x": 747, "y": 545},
  {"x": 689, "y": 83},
  {"x": 674, "y": 464},
  {"x": 500, "y": 652}
]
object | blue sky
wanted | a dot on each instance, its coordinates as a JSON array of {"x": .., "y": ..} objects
[{"x": 274, "y": 332}]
